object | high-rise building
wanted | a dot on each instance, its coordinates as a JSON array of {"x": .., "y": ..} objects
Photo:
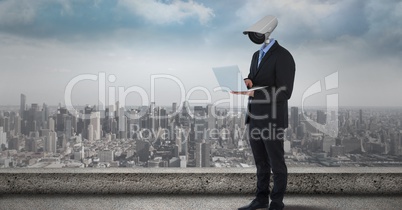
[
  {"x": 61, "y": 119},
  {"x": 122, "y": 123},
  {"x": 174, "y": 108},
  {"x": 155, "y": 118},
  {"x": 327, "y": 143},
  {"x": 17, "y": 125},
  {"x": 90, "y": 132},
  {"x": 163, "y": 118},
  {"x": 86, "y": 120},
  {"x": 199, "y": 129},
  {"x": 68, "y": 127},
  {"x": 51, "y": 124},
  {"x": 203, "y": 151},
  {"x": 182, "y": 139},
  {"x": 23, "y": 101},
  {"x": 211, "y": 117},
  {"x": 51, "y": 142},
  {"x": 395, "y": 146},
  {"x": 34, "y": 118},
  {"x": 142, "y": 149},
  {"x": 321, "y": 117},
  {"x": 6, "y": 124},
  {"x": 177, "y": 132},
  {"x": 301, "y": 130},
  {"x": 294, "y": 115},
  {"x": 3, "y": 138},
  {"x": 185, "y": 116},
  {"x": 45, "y": 115},
  {"x": 14, "y": 143},
  {"x": 183, "y": 161},
  {"x": 95, "y": 122},
  {"x": 199, "y": 111},
  {"x": 30, "y": 145}
]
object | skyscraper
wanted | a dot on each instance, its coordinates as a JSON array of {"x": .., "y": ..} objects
[
  {"x": 51, "y": 124},
  {"x": 51, "y": 142},
  {"x": 294, "y": 115},
  {"x": 163, "y": 118},
  {"x": 3, "y": 137},
  {"x": 142, "y": 149},
  {"x": 95, "y": 122},
  {"x": 203, "y": 151},
  {"x": 23, "y": 101},
  {"x": 90, "y": 132},
  {"x": 17, "y": 125},
  {"x": 174, "y": 108},
  {"x": 321, "y": 117},
  {"x": 30, "y": 145},
  {"x": 14, "y": 143},
  {"x": 211, "y": 117},
  {"x": 45, "y": 115}
]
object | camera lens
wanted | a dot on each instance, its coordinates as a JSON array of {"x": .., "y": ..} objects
[{"x": 256, "y": 37}]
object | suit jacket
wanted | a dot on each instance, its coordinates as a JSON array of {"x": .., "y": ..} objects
[{"x": 277, "y": 71}]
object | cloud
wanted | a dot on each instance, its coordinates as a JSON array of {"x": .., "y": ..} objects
[
  {"x": 17, "y": 12},
  {"x": 310, "y": 19},
  {"x": 165, "y": 12},
  {"x": 301, "y": 22}
]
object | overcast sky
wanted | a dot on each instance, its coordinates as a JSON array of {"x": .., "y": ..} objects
[{"x": 46, "y": 43}]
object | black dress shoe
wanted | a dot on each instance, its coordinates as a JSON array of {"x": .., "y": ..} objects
[
  {"x": 275, "y": 206},
  {"x": 255, "y": 204}
]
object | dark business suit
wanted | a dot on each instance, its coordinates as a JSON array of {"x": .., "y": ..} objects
[{"x": 268, "y": 113}]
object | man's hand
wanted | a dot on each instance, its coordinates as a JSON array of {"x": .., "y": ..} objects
[
  {"x": 248, "y": 93},
  {"x": 249, "y": 83}
]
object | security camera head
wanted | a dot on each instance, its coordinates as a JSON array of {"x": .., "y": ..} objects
[
  {"x": 256, "y": 37},
  {"x": 260, "y": 31}
]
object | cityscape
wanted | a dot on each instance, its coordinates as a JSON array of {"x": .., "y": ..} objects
[{"x": 180, "y": 135}]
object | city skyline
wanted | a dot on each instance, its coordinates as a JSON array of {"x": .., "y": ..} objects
[
  {"x": 198, "y": 136},
  {"x": 45, "y": 44}
]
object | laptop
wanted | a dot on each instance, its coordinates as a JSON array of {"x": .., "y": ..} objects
[{"x": 230, "y": 78}]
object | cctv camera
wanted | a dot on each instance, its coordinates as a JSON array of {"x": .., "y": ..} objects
[
  {"x": 256, "y": 37},
  {"x": 260, "y": 31}
]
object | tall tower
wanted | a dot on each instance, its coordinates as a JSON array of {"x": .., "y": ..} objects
[
  {"x": 51, "y": 142},
  {"x": 203, "y": 151},
  {"x": 68, "y": 126},
  {"x": 211, "y": 117},
  {"x": 174, "y": 108},
  {"x": 17, "y": 125},
  {"x": 95, "y": 122},
  {"x": 90, "y": 132},
  {"x": 51, "y": 124},
  {"x": 23, "y": 102},
  {"x": 3, "y": 139},
  {"x": 45, "y": 115},
  {"x": 163, "y": 118},
  {"x": 294, "y": 115},
  {"x": 321, "y": 117}
]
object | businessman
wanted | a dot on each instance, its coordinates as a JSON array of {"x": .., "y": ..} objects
[{"x": 267, "y": 113}]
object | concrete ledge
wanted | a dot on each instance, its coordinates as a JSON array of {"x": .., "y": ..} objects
[{"x": 196, "y": 181}]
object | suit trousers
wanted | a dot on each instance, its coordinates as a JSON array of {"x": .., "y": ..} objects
[{"x": 267, "y": 146}]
